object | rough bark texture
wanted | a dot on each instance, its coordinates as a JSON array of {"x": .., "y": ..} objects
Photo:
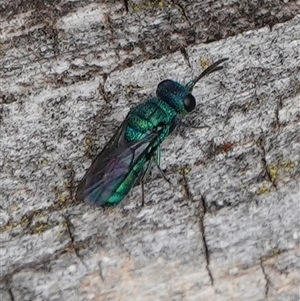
[{"x": 227, "y": 228}]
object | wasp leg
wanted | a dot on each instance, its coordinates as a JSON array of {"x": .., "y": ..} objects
[
  {"x": 156, "y": 157},
  {"x": 187, "y": 125},
  {"x": 143, "y": 176},
  {"x": 157, "y": 161}
]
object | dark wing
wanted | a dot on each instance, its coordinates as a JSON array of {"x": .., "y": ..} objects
[{"x": 111, "y": 166}]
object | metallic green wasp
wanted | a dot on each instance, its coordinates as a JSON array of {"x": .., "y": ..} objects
[{"x": 127, "y": 156}]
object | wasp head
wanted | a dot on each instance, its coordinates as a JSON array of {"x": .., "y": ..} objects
[{"x": 176, "y": 96}]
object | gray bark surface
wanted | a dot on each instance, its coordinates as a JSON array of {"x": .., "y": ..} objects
[{"x": 226, "y": 227}]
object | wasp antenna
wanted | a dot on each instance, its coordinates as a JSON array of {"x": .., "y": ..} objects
[{"x": 212, "y": 68}]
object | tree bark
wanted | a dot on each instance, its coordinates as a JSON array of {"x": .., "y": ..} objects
[{"x": 227, "y": 227}]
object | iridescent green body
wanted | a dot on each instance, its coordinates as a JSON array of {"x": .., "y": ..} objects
[
  {"x": 153, "y": 114},
  {"x": 123, "y": 160}
]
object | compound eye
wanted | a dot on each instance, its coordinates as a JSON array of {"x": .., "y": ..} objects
[{"x": 189, "y": 103}]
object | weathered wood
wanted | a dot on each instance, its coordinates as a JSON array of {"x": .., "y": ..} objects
[{"x": 227, "y": 228}]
